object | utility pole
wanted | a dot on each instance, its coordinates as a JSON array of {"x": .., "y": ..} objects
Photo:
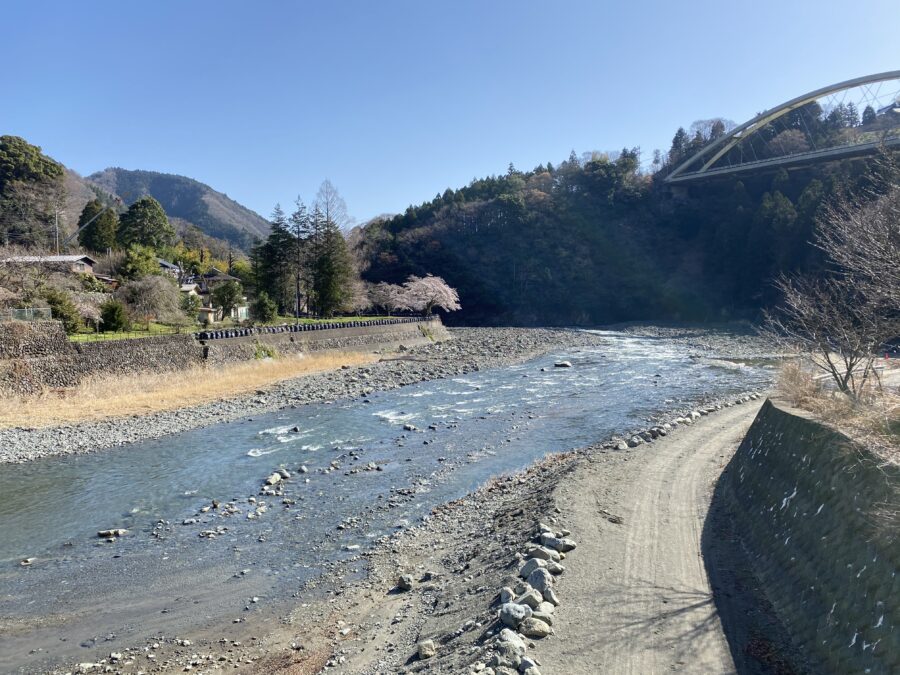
[{"x": 56, "y": 227}]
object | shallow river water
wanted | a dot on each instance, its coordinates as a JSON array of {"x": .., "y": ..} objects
[{"x": 164, "y": 575}]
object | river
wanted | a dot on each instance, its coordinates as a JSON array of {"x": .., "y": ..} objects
[{"x": 84, "y": 596}]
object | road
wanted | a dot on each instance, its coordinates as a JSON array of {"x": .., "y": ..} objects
[{"x": 636, "y": 594}]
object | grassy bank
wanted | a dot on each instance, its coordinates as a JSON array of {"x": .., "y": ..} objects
[{"x": 115, "y": 396}]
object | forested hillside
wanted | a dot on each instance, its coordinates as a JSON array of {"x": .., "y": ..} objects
[
  {"x": 214, "y": 213},
  {"x": 597, "y": 241}
]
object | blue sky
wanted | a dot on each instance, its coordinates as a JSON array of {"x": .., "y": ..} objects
[{"x": 396, "y": 100}]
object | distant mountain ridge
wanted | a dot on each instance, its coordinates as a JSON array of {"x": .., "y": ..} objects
[{"x": 213, "y": 212}]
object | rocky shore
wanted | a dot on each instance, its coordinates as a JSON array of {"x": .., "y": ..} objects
[
  {"x": 470, "y": 349},
  {"x": 473, "y": 589}
]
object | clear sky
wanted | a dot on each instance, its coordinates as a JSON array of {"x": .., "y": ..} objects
[{"x": 397, "y": 100}]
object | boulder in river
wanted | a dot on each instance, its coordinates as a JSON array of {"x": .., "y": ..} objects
[{"x": 562, "y": 364}]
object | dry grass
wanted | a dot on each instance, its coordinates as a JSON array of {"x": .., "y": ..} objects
[
  {"x": 104, "y": 397},
  {"x": 874, "y": 421}
]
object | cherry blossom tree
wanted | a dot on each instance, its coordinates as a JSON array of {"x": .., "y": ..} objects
[
  {"x": 389, "y": 297},
  {"x": 423, "y": 294}
]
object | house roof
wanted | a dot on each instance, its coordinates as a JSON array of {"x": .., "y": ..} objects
[
  {"x": 50, "y": 258},
  {"x": 218, "y": 275},
  {"x": 167, "y": 265}
]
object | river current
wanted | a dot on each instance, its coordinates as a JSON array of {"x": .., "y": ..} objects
[{"x": 467, "y": 430}]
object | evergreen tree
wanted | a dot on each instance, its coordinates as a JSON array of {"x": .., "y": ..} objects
[
  {"x": 679, "y": 146},
  {"x": 868, "y": 116},
  {"x": 100, "y": 235},
  {"x": 145, "y": 223},
  {"x": 333, "y": 271},
  {"x": 274, "y": 262}
]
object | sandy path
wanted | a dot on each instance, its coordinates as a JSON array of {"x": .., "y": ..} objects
[{"x": 636, "y": 597}]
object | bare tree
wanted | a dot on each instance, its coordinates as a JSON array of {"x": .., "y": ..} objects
[
  {"x": 333, "y": 206},
  {"x": 863, "y": 239},
  {"x": 834, "y": 322}
]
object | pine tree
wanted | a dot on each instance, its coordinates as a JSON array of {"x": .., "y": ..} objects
[{"x": 100, "y": 235}]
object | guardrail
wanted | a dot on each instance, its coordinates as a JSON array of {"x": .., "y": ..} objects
[{"x": 304, "y": 327}]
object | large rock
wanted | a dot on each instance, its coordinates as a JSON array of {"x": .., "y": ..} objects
[
  {"x": 534, "y": 628},
  {"x": 506, "y": 595},
  {"x": 562, "y": 364},
  {"x": 274, "y": 479},
  {"x": 512, "y": 614},
  {"x": 532, "y": 598},
  {"x": 554, "y": 567},
  {"x": 531, "y": 565},
  {"x": 540, "y": 580},
  {"x": 557, "y": 544},
  {"x": 551, "y": 597},
  {"x": 542, "y": 552},
  {"x": 546, "y": 617},
  {"x": 405, "y": 582}
]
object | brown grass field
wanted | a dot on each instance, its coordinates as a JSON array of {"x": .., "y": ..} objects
[
  {"x": 105, "y": 397},
  {"x": 873, "y": 421}
]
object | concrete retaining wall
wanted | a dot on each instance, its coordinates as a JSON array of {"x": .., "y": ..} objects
[
  {"x": 34, "y": 356},
  {"x": 344, "y": 339},
  {"x": 808, "y": 507}
]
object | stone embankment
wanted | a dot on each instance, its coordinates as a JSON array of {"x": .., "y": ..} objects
[
  {"x": 38, "y": 355},
  {"x": 816, "y": 513},
  {"x": 471, "y": 349}
]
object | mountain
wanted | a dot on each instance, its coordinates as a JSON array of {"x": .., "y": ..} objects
[{"x": 214, "y": 213}]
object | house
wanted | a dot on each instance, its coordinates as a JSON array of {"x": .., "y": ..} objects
[
  {"x": 170, "y": 268},
  {"x": 76, "y": 264}
]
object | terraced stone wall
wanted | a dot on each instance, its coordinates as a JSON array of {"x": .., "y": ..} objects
[{"x": 810, "y": 507}]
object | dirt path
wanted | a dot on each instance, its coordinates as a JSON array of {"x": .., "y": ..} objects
[{"x": 636, "y": 597}]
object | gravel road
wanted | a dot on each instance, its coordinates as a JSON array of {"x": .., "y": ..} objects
[{"x": 640, "y": 596}]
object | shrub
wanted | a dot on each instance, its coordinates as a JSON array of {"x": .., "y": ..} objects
[
  {"x": 264, "y": 309},
  {"x": 113, "y": 316},
  {"x": 263, "y": 351},
  {"x": 63, "y": 309}
]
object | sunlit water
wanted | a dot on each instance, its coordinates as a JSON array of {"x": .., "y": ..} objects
[{"x": 485, "y": 423}]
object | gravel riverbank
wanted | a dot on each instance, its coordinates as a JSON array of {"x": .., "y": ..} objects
[{"x": 470, "y": 349}]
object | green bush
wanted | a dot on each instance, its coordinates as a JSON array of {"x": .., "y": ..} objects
[
  {"x": 91, "y": 283},
  {"x": 63, "y": 309},
  {"x": 264, "y": 309},
  {"x": 262, "y": 351},
  {"x": 113, "y": 316}
]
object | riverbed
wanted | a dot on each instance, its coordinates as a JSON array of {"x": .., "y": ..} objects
[{"x": 205, "y": 548}]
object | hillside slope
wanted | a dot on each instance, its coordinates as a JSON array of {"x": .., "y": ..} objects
[
  {"x": 214, "y": 213},
  {"x": 596, "y": 242}
]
